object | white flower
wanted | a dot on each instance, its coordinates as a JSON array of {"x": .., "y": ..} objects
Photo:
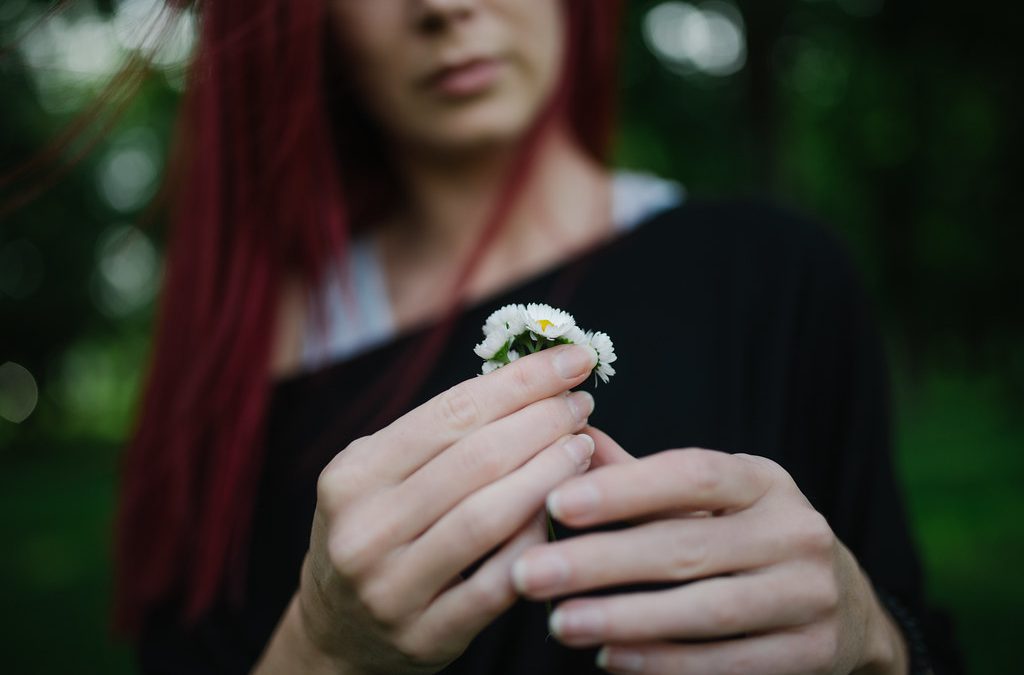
[
  {"x": 492, "y": 344},
  {"x": 602, "y": 344},
  {"x": 604, "y": 371},
  {"x": 547, "y": 321},
  {"x": 510, "y": 319},
  {"x": 576, "y": 336},
  {"x": 514, "y": 331}
]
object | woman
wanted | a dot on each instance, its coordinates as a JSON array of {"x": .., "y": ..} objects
[{"x": 451, "y": 164}]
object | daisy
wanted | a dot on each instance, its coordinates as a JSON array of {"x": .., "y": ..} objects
[
  {"x": 545, "y": 320},
  {"x": 510, "y": 319},
  {"x": 576, "y": 336},
  {"x": 602, "y": 344},
  {"x": 514, "y": 331},
  {"x": 493, "y": 344}
]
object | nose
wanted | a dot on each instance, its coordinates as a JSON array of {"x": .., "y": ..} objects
[{"x": 434, "y": 16}]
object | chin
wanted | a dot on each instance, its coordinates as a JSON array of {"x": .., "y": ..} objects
[{"x": 489, "y": 123}]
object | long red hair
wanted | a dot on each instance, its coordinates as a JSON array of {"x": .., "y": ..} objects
[{"x": 261, "y": 187}]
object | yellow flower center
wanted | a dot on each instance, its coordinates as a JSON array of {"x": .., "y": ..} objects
[{"x": 544, "y": 323}]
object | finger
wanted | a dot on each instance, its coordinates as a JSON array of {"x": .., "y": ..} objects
[
  {"x": 484, "y": 519},
  {"x": 719, "y": 607},
  {"x": 478, "y": 460},
  {"x": 679, "y": 549},
  {"x": 789, "y": 653},
  {"x": 412, "y": 440},
  {"x": 607, "y": 450},
  {"x": 688, "y": 480},
  {"x": 463, "y": 611}
]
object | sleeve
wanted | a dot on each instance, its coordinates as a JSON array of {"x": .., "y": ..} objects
[{"x": 843, "y": 402}]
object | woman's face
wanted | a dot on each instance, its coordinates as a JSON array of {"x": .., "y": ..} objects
[{"x": 452, "y": 75}]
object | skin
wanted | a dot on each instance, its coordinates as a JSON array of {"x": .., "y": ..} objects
[
  {"x": 465, "y": 477},
  {"x": 770, "y": 581},
  {"x": 401, "y": 513},
  {"x": 390, "y": 70}
]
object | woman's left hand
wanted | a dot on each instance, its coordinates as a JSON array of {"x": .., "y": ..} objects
[{"x": 771, "y": 589}]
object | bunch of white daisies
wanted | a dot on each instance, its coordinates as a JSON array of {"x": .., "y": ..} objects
[{"x": 516, "y": 330}]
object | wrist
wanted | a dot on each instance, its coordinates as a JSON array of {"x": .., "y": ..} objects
[
  {"x": 885, "y": 650},
  {"x": 292, "y": 650}
]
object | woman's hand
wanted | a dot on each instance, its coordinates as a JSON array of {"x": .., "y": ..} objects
[
  {"x": 402, "y": 513},
  {"x": 771, "y": 588}
]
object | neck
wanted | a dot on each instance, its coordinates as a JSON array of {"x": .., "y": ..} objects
[{"x": 449, "y": 200}]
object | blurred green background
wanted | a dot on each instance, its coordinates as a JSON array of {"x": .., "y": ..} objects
[{"x": 896, "y": 123}]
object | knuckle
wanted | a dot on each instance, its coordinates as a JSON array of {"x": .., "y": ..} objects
[
  {"x": 726, "y": 617},
  {"x": 774, "y": 473},
  {"x": 824, "y": 593},
  {"x": 813, "y": 535},
  {"x": 357, "y": 447},
  {"x": 419, "y": 647},
  {"x": 700, "y": 470},
  {"x": 483, "y": 460},
  {"x": 821, "y": 648},
  {"x": 413, "y": 649},
  {"x": 552, "y": 418},
  {"x": 522, "y": 377},
  {"x": 458, "y": 409},
  {"x": 325, "y": 486},
  {"x": 766, "y": 462},
  {"x": 427, "y": 640},
  {"x": 478, "y": 527},
  {"x": 350, "y": 553},
  {"x": 379, "y": 602},
  {"x": 339, "y": 480},
  {"x": 332, "y": 487},
  {"x": 558, "y": 418},
  {"x": 491, "y": 598},
  {"x": 689, "y": 556}
]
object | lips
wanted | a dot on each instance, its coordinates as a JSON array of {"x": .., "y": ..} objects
[{"x": 465, "y": 78}]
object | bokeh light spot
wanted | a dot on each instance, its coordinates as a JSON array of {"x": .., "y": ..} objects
[
  {"x": 127, "y": 176},
  {"x": 18, "y": 392},
  {"x": 149, "y": 26},
  {"x": 686, "y": 38},
  {"x": 71, "y": 54},
  {"x": 126, "y": 265}
]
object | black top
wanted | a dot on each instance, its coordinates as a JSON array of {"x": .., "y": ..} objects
[{"x": 738, "y": 328}]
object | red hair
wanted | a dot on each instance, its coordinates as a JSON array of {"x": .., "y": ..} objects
[{"x": 260, "y": 187}]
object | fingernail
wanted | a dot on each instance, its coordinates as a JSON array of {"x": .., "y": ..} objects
[
  {"x": 620, "y": 660},
  {"x": 580, "y": 449},
  {"x": 581, "y": 404},
  {"x": 576, "y": 622},
  {"x": 574, "y": 500},
  {"x": 574, "y": 361},
  {"x": 539, "y": 572}
]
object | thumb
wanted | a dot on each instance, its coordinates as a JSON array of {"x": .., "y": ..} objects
[{"x": 606, "y": 450}]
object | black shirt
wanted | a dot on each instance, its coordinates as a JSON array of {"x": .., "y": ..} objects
[{"x": 738, "y": 327}]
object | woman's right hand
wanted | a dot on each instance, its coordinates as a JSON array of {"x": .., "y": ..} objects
[{"x": 402, "y": 513}]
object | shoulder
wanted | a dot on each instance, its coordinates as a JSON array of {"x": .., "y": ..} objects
[
  {"x": 751, "y": 239},
  {"x": 741, "y": 225}
]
